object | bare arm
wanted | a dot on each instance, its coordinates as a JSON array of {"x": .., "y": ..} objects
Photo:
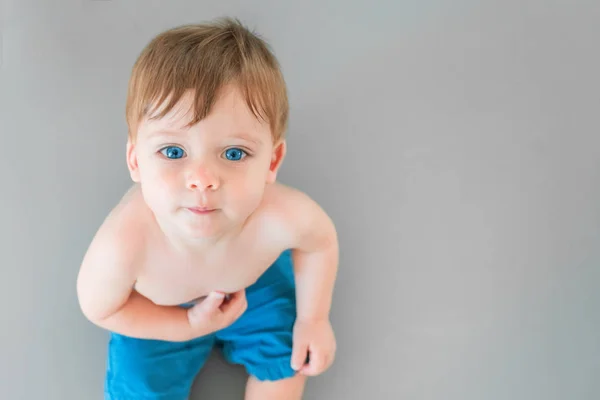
[
  {"x": 106, "y": 298},
  {"x": 315, "y": 251}
]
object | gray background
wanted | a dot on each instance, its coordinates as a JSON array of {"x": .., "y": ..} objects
[{"x": 454, "y": 143}]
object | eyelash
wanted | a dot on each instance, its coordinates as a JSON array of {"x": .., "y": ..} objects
[
  {"x": 246, "y": 151},
  {"x": 163, "y": 148}
]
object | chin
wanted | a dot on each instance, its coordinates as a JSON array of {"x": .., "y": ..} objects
[
  {"x": 207, "y": 230},
  {"x": 204, "y": 232}
]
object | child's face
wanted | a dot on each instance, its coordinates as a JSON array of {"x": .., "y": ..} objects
[{"x": 209, "y": 178}]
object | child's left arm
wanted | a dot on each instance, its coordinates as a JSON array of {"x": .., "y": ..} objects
[{"x": 315, "y": 256}]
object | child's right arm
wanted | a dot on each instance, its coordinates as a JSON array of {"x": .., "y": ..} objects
[{"x": 106, "y": 297}]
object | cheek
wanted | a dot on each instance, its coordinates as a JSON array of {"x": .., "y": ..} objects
[
  {"x": 247, "y": 191},
  {"x": 160, "y": 185},
  {"x": 161, "y": 177}
]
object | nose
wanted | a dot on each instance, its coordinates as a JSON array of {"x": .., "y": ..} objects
[{"x": 202, "y": 178}]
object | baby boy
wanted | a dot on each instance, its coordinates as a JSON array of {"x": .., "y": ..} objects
[{"x": 207, "y": 248}]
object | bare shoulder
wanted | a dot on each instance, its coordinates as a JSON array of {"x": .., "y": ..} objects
[
  {"x": 110, "y": 265},
  {"x": 302, "y": 221},
  {"x": 122, "y": 232}
]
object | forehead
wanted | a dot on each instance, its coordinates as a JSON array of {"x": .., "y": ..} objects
[{"x": 229, "y": 113}]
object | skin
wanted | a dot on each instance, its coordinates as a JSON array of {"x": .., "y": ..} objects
[{"x": 156, "y": 249}]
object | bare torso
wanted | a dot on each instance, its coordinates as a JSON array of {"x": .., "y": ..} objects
[{"x": 166, "y": 278}]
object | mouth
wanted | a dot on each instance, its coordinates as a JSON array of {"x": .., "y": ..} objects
[{"x": 201, "y": 210}]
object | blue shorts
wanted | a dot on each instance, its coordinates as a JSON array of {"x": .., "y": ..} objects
[{"x": 260, "y": 340}]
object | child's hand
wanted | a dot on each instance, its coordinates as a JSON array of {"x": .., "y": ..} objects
[
  {"x": 315, "y": 340},
  {"x": 215, "y": 312}
]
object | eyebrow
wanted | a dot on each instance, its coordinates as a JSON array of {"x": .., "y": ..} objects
[
  {"x": 177, "y": 132},
  {"x": 164, "y": 132},
  {"x": 247, "y": 137}
]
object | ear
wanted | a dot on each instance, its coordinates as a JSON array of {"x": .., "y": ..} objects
[
  {"x": 132, "y": 162},
  {"x": 279, "y": 151}
]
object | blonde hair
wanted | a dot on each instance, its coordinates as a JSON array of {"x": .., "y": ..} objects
[{"x": 204, "y": 58}]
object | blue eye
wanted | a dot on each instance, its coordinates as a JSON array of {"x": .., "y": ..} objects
[
  {"x": 234, "y": 154},
  {"x": 172, "y": 152}
]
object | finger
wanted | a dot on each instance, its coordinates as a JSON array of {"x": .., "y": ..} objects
[
  {"x": 234, "y": 303},
  {"x": 327, "y": 362},
  {"x": 299, "y": 354},
  {"x": 211, "y": 303},
  {"x": 241, "y": 307},
  {"x": 315, "y": 366},
  {"x": 331, "y": 357}
]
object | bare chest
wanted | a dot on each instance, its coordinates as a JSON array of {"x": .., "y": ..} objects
[{"x": 169, "y": 281}]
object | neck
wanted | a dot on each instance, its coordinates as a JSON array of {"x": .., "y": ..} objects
[{"x": 186, "y": 246}]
